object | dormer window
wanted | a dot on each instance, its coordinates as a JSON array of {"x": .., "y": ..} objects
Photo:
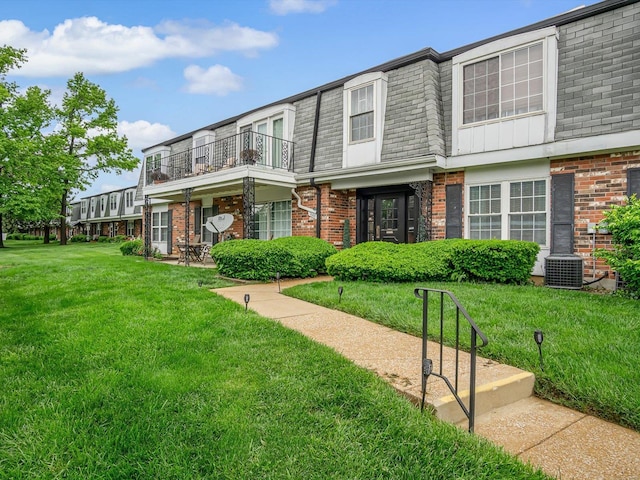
[
  {"x": 361, "y": 114},
  {"x": 503, "y": 86},
  {"x": 504, "y": 93},
  {"x": 364, "y": 103}
]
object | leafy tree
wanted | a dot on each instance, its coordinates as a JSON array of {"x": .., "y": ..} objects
[
  {"x": 25, "y": 191},
  {"x": 86, "y": 142},
  {"x": 623, "y": 221}
]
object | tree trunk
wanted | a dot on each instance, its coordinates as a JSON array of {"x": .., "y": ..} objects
[
  {"x": 47, "y": 232},
  {"x": 1, "y": 242},
  {"x": 63, "y": 219}
]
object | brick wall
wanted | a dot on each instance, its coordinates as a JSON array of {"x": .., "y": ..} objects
[
  {"x": 337, "y": 205},
  {"x": 178, "y": 220},
  {"x": 301, "y": 224},
  {"x": 233, "y": 206},
  {"x": 600, "y": 181},
  {"x": 439, "y": 201}
]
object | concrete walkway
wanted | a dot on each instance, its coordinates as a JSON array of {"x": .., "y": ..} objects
[{"x": 564, "y": 443}]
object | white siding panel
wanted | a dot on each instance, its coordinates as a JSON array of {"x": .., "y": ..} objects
[
  {"x": 492, "y": 137},
  {"x": 521, "y": 132},
  {"x": 506, "y": 134},
  {"x": 464, "y": 141},
  {"x": 478, "y": 133}
]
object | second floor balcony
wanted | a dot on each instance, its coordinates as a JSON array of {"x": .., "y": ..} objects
[{"x": 245, "y": 148}]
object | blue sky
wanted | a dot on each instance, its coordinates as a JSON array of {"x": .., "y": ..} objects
[{"x": 175, "y": 66}]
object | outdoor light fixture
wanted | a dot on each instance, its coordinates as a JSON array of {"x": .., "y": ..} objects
[
  {"x": 278, "y": 280},
  {"x": 247, "y": 297},
  {"x": 537, "y": 336},
  {"x": 340, "y": 290}
]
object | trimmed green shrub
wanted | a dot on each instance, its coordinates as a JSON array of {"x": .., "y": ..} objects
[
  {"x": 623, "y": 222},
  {"x": 505, "y": 261},
  {"x": 501, "y": 261},
  {"x": 103, "y": 239},
  {"x": 118, "y": 239},
  {"x": 254, "y": 259},
  {"x": 390, "y": 262},
  {"x": 78, "y": 238},
  {"x": 23, "y": 236},
  {"x": 310, "y": 252},
  {"x": 132, "y": 247}
]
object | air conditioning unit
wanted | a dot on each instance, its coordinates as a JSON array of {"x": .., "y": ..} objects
[{"x": 563, "y": 271}]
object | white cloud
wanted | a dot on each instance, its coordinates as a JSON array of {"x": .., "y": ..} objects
[
  {"x": 92, "y": 46},
  {"x": 142, "y": 134},
  {"x": 284, "y": 7},
  {"x": 217, "y": 80}
]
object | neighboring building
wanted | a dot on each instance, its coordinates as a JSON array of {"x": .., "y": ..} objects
[
  {"x": 108, "y": 214},
  {"x": 527, "y": 135}
]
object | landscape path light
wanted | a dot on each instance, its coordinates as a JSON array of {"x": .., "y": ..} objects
[
  {"x": 538, "y": 337},
  {"x": 247, "y": 297}
]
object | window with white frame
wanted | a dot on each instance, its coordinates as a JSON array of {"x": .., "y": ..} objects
[
  {"x": 272, "y": 220},
  {"x": 159, "y": 226},
  {"x": 509, "y": 210},
  {"x": 527, "y": 211},
  {"x": 361, "y": 114},
  {"x": 154, "y": 162},
  {"x": 93, "y": 206},
  {"x": 207, "y": 236},
  {"x": 505, "y": 85},
  {"x": 83, "y": 208},
  {"x": 266, "y": 135},
  {"x": 129, "y": 199},
  {"x": 130, "y": 228},
  {"x": 485, "y": 217},
  {"x": 113, "y": 202}
]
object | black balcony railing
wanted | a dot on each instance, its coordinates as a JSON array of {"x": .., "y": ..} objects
[{"x": 246, "y": 148}]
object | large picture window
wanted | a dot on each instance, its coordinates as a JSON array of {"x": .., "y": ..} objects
[
  {"x": 361, "y": 117},
  {"x": 509, "y": 210},
  {"x": 272, "y": 220},
  {"x": 503, "y": 86}
]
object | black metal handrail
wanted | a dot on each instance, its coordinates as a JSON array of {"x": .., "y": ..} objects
[
  {"x": 246, "y": 148},
  {"x": 427, "y": 364}
]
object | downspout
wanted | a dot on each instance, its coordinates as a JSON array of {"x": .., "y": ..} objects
[{"x": 312, "y": 163}]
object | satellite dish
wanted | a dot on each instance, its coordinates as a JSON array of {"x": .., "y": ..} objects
[{"x": 219, "y": 223}]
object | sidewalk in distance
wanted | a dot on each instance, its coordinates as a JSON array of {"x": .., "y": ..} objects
[{"x": 564, "y": 443}]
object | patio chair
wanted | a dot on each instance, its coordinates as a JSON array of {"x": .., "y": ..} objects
[
  {"x": 182, "y": 250},
  {"x": 204, "y": 253}
]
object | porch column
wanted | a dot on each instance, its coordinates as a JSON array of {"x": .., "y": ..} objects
[
  {"x": 147, "y": 227},
  {"x": 187, "y": 202},
  {"x": 423, "y": 194},
  {"x": 248, "y": 203}
]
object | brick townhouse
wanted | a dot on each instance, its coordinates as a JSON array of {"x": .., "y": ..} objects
[
  {"x": 531, "y": 135},
  {"x": 108, "y": 214}
]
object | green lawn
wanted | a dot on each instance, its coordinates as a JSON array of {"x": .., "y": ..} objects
[
  {"x": 113, "y": 367},
  {"x": 591, "y": 342}
]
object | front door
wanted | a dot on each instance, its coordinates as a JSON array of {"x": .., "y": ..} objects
[
  {"x": 390, "y": 218},
  {"x": 386, "y": 215}
]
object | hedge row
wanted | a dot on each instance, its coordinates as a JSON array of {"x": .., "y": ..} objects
[
  {"x": 26, "y": 236},
  {"x": 503, "y": 261},
  {"x": 297, "y": 257}
]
